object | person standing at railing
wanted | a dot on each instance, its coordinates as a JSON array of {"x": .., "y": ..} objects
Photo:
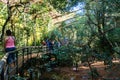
[
  {"x": 49, "y": 44},
  {"x": 9, "y": 45}
]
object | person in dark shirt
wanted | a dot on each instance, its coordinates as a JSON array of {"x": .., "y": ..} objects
[{"x": 49, "y": 45}]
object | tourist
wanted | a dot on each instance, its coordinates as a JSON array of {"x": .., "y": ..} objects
[{"x": 9, "y": 45}]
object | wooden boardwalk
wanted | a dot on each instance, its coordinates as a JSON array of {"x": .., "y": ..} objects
[{"x": 12, "y": 69}]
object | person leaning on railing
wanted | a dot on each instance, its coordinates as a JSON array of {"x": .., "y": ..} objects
[{"x": 9, "y": 45}]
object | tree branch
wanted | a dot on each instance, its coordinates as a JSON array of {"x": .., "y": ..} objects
[{"x": 8, "y": 18}]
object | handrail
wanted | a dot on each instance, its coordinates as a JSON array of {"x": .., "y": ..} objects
[{"x": 20, "y": 60}]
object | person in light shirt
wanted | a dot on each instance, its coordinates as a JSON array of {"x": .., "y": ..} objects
[{"x": 9, "y": 45}]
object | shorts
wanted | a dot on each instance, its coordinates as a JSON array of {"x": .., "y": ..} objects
[{"x": 11, "y": 56}]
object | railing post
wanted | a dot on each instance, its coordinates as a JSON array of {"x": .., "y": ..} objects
[
  {"x": 30, "y": 52},
  {"x": 27, "y": 53},
  {"x": 2, "y": 75},
  {"x": 1, "y": 70},
  {"x": 17, "y": 62},
  {"x": 23, "y": 50},
  {"x": 39, "y": 50}
]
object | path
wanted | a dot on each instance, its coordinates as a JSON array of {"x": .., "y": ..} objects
[{"x": 33, "y": 55}]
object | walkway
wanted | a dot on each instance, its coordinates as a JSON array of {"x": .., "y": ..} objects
[{"x": 22, "y": 55}]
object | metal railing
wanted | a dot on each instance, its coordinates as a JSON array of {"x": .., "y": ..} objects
[{"x": 21, "y": 55}]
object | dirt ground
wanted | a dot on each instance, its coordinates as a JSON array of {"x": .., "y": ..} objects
[
  {"x": 68, "y": 73},
  {"x": 105, "y": 73}
]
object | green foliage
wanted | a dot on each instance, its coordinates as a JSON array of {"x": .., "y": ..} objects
[
  {"x": 80, "y": 30},
  {"x": 114, "y": 35},
  {"x": 38, "y": 8},
  {"x": 63, "y": 56},
  {"x": 59, "y": 4},
  {"x": 16, "y": 77}
]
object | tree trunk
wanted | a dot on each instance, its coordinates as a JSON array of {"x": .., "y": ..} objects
[{"x": 7, "y": 20}]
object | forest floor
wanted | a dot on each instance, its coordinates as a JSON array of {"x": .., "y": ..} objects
[
  {"x": 105, "y": 73},
  {"x": 83, "y": 71}
]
